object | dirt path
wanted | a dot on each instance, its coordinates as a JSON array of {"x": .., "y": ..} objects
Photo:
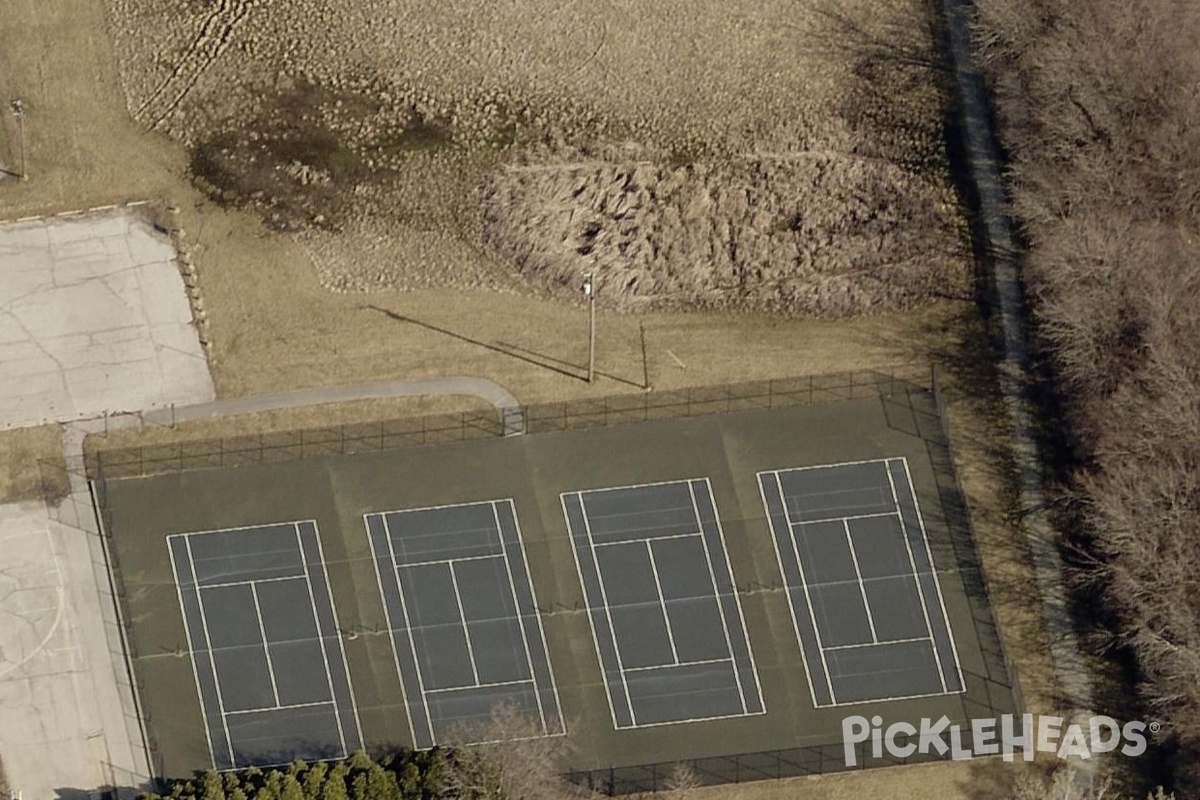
[{"x": 1072, "y": 678}]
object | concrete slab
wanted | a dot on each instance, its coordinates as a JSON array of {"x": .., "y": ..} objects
[
  {"x": 94, "y": 319},
  {"x": 44, "y": 687}
]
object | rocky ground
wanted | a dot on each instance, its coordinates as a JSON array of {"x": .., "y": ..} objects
[{"x": 690, "y": 152}]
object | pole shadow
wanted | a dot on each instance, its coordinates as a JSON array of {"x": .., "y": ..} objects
[{"x": 557, "y": 365}]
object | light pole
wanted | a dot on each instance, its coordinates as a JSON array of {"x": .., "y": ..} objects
[
  {"x": 589, "y": 291},
  {"x": 18, "y": 110}
]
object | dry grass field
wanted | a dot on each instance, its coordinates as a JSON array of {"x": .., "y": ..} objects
[
  {"x": 337, "y": 166},
  {"x": 30, "y": 463}
]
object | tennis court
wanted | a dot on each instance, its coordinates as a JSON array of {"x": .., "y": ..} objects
[
  {"x": 865, "y": 601},
  {"x": 463, "y": 619},
  {"x": 266, "y": 655},
  {"x": 665, "y": 616},
  {"x": 698, "y": 589}
]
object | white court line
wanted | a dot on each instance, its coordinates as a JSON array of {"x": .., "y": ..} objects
[
  {"x": 512, "y": 587},
  {"x": 701, "y": 662},
  {"x": 266, "y": 647},
  {"x": 762, "y": 493},
  {"x": 211, "y": 660},
  {"x": 737, "y": 601},
  {"x": 831, "y": 466},
  {"x": 587, "y": 527},
  {"x": 341, "y": 644},
  {"x": 437, "y": 508},
  {"x": 862, "y": 589},
  {"x": 734, "y": 715},
  {"x": 437, "y": 562},
  {"x": 651, "y": 539},
  {"x": 282, "y": 708},
  {"x": 562, "y": 498},
  {"x": 237, "y": 528},
  {"x": 185, "y": 536},
  {"x": 387, "y": 616},
  {"x": 787, "y": 515},
  {"x": 462, "y": 615},
  {"x": 712, "y": 576},
  {"x": 320, "y": 633},
  {"x": 249, "y": 582},
  {"x": 937, "y": 585},
  {"x": 387, "y": 530},
  {"x": 881, "y": 644},
  {"x": 632, "y": 486},
  {"x": 493, "y": 685},
  {"x": 852, "y": 517},
  {"x": 662, "y": 601},
  {"x": 562, "y": 724},
  {"x": 912, "y": 563},
  {"x": 187, "y": 633}
]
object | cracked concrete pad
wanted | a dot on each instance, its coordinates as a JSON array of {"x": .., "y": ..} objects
[
  {"x": 94, "y": 318},
  {"x": 46, "y": 690}
]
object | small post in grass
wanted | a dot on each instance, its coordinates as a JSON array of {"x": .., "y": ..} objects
[
  {"x": 18, "y": 110},
  {"x": 589, "y": 292}
]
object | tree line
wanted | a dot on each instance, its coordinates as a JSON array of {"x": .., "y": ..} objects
[{"x": 1096, "y": 106}]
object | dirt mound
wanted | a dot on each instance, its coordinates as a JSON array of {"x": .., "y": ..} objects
[{"x": 820, "y": 233}]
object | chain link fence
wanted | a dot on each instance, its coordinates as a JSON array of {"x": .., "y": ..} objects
[{"x": 112, "y": 463}]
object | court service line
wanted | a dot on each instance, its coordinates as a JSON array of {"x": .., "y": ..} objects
[
  {"x": 737, "y": 601},
  {"x": 762, "y": 493},
  {"x": 437, "y": 562},
  {"x": 608, "y": 692},
  {"x": 251, "y": 582},
  {"x": 712, "y": 576},
  {"x": 282, "y": 708},
  {"x": 862, "y": 589},
  {"x": 662, "y": 600},
  {"x": 787, "y": 515},
  {"x": 320, "y": 633},
  {"x": 832, "y": 466},
  {"x": 937, "y": 585},
  {"x": 462, "y": 615},
  {"x": 187, "y": 632},
  {"x": 266, "y": 645},
  {"x": 916, "y": 575},
  {"x": 340, "y": 643},
  {"x": 387, "y": 614},
  {"x": 493, "y": 685},
  {"x": 636, "y": 539},
  {"x": 512, "y": 587},
  {"x": 211, "y": 660},
  {"x": 387, "y": 530},
  {"x": 587, "y": 527},
  {"x": 881, "y": 644},
  {"x": 562, "y": 724},
  {"x": 699, "y": 663},
  {"x": 851, "y": 517}
]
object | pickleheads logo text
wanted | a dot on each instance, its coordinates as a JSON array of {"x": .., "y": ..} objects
[{"x": 1005, "y": 736}]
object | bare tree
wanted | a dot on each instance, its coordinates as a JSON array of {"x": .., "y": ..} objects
[
  {"x": 507, "y": 758},
  {"x": 1096, "y": 106}
]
